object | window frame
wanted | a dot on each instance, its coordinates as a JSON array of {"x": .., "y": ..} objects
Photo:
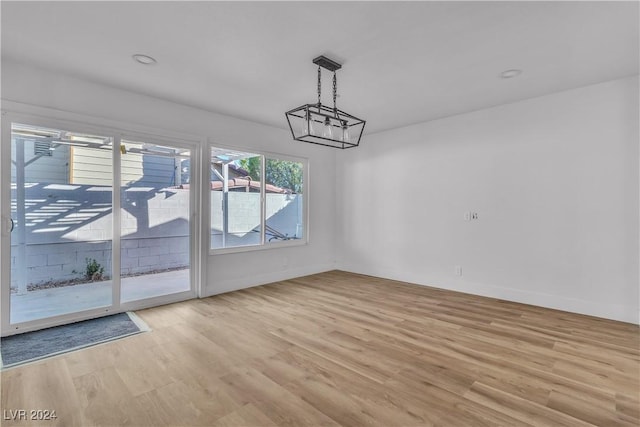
[{"x": 264, "y": 243}]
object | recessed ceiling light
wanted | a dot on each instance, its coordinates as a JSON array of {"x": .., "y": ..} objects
[
  {"x": 144, "y": 59},
  {"x": 510, "y": 74}
]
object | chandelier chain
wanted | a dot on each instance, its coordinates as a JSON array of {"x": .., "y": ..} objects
[
  {"x": 319, "y": 87},
  {"x": 335, "y": 93}
]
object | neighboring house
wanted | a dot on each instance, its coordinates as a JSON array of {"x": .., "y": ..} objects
[
  {"x": 239, "y": 180},
  {"x": 47, "y": 161}
]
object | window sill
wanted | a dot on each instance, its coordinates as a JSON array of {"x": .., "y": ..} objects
[{"x": 266, "y": 246}]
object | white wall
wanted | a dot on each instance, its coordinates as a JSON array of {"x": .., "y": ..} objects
[
  {"x": 29, "y": 85},
  {"x": 555, "y": 183}
]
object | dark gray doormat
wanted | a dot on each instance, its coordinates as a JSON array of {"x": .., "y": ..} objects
[{"x": 30, "y": 346}]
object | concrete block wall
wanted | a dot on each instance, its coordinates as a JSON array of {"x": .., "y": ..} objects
[
  {"x": 66, "y": 224},
  {"x": 283, "y": 212},
  {"x": 146, "y": 255},
  {"x": 154, "y": 212},
  {"x": 244, "y": 212},
  {"x": 59, "y": 262}
]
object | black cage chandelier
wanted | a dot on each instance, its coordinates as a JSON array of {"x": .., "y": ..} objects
[{"x": 323, "y": 125}]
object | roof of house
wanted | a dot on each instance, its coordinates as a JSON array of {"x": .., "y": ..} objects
[{"x": 246, "y": 183}]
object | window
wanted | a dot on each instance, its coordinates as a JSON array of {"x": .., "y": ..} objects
[
  {"x": 283, "y": 200},
  {"x": 256, "y": 200}
]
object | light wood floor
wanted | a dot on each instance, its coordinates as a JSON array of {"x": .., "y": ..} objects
[{"x": 343, "y": 349}]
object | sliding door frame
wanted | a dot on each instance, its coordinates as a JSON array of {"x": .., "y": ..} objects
[
  {"x": 56, "y": 119},
  {"x": 194, "y": 227}
]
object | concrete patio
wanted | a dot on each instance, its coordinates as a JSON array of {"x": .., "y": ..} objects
[{"x": 44, "y": 303}]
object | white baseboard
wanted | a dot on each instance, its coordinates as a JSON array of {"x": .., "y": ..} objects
[
  {"x": 622, "y": 313},
  {"x": 262, "y": 279}
]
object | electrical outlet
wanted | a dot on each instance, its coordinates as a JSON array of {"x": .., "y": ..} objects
[
  {"x": 474, "y": 215},
  {"x": 458, "y": 270}
]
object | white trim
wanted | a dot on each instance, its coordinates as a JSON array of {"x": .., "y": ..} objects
[
  {"x": 5, "y": 215},
  {"x": 245, "y": 282},
  {"x": 259, "y": 247},
  {"x": 212, "y": 144},
  {"x": 157, "y": 301},
  {"x": 263, "y": 200},
  {"x": 141, "y": 324},
  {"x": 87, "y": 123},
  {"x": 264, "y": 244},
  {"x": 63, "y": 319},
  {"x": 116, "y": 231},
  {"x": 195, "y": 219},
  {"x": 205, "y": 218},
  {"x": 306, "y": 200},
  {"x": 616, "y": 312}
]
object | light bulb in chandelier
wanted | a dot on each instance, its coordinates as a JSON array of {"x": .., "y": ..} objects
[
  {"x": 312, "y": 127},
  {"x": 345, "y": 132},
  {"x": 307, "y": 125},
  {"x": 327, "y": 132}
]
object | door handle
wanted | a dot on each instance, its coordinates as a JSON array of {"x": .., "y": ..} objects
[{"x": 8, "y": 225}]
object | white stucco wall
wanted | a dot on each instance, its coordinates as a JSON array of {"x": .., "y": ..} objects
[{"x": 554, "y": 181}]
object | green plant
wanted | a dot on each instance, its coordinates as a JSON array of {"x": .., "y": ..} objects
[
  {"x": 93, "y": 269},
  {"x": 281, "y": 173}
]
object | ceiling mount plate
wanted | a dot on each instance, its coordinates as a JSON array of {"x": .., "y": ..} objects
[{"x": 327, "y": 63}]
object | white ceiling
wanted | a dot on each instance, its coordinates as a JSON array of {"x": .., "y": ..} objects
[{"x": 403, "y": 62}]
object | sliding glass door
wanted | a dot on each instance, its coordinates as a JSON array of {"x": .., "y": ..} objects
[
  {"x": 61, "y": 213},
  {"x": 70, "y": 248},
  {"x": 155, "y": 195}
]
